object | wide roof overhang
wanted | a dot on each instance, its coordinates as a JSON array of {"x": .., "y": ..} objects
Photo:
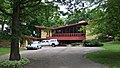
[{"x": 67, "y": 26}]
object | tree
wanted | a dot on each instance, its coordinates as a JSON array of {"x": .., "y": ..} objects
[
  {"x": 14, "y": 8},
  {"x": 78, "y": 10},
  {"x": 21, "y": 12},
  {"x": 47, "y": 16},
  {"x": 78, "y": 15},
  {"x": 108, "y": 20}
]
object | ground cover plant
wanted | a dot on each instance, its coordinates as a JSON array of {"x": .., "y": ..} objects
[{"x": 14, "y": 64}]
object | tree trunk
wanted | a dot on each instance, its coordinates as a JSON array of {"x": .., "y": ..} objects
[
  {"x": 3, "y": 25},
  {"x": 14, "y": 53}
]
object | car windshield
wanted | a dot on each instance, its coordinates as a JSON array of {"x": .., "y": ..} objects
[{"x": 52, "y": 41}]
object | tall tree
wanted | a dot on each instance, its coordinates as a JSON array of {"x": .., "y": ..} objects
[
  {"x": 108, "y": 19},
  {"x": 21, "y": 12},
  {"x": 13, "y": 8},
  {"x": 43, "y": 17},
  {"x": 78, "y": 10},
  {"x": 78, "y": 15}
]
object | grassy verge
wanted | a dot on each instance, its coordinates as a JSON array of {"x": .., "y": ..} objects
[
  {"x": 110, "y": 56},
  {"x": 7, "y": 50}
]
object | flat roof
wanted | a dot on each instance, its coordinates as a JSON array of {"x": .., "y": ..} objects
[
  {"x": 76, "y": 24},
  {"x": 40, "y": 27}
]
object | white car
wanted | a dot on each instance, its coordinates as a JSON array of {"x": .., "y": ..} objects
[
  {"x": 34, "y": 45},
  {"x": 51, "y": 42}
]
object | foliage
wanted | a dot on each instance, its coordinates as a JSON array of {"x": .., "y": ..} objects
[
  {"x": 73, "y": 5},
  {"x": 105, "y": 38},
  {"x": 109, "y": 56},
  {"x": 92, "y": 43},
  {"x": 76, "y": 44},
  {"x": 21, "y": 12},
  {"x": 14, "y": 64},
  {"x": 78, "y": 15},
  {"x": 107, "y": 18},
  {"x": 4, "y": 35},
  {"x": 83, "y": 28},
  {"x": 77, "y": 10}
]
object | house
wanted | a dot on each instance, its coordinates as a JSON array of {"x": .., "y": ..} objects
[{"x": 65, "y": 34}]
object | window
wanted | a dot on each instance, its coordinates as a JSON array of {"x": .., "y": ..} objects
[
  {"x": 67, "y": 30},
  {"x": 71, "y": 29},
  {"x": 58, "y": 31},
  {"x": 43, "y": 41},
  {"x": 78, "y": 28},
  {"x": 47, "y": 41},
  {"x": 52, "y": 40},
  {"x": 75, "y": 30}
]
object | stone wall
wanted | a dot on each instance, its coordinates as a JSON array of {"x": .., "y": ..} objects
[
  {"x": 43, "y": 34},
  {"x": 5, "y": 43}
]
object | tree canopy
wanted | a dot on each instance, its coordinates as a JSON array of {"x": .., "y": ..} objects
[
  {"x": 22, "y": 13},
  {"x": 107, "y": 16}
]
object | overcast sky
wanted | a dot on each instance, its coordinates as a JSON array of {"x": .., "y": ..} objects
[{"x": 4, "y": 26}]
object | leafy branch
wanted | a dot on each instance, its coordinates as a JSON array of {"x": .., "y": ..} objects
[{"x": 4, "y": 11}]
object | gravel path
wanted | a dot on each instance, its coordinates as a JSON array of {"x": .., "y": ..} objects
[{"x": 60, "y": 57}]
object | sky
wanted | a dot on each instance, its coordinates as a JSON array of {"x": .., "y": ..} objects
[{"x": 4, "y": 26}]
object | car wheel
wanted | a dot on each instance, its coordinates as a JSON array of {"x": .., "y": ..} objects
[
  {"x": 27, "y": 49},
  {"x": 53, "y": 45},
  {"x": 36, "y": 48},
  {"x": 40, "y": 47}
]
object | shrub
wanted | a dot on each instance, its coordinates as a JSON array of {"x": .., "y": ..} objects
[
  {"x": 14, "y": 64},
  {"x": 92, "y": 43},
  {"x": 76, "y": 44}
]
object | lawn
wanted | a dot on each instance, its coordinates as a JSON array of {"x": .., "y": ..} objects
[
  {"x": 110, "y": 56},
  {"x": 7, "y": 50}
]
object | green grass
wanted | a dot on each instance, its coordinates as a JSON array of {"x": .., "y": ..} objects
[
  {"x": 110, "y": 56},
  {"x": 4, "y": 51},
  {"x": 7, "y": 50}
]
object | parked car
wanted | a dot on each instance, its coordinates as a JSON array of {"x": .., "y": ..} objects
[
  {"x": 51, "y": 42},
  {"x": 34, "y": 45}
]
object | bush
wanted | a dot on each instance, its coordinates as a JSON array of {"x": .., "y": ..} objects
[
  {"x": 14, "y": 64},
  {"x": 92, "y": 43},
  {"x": 76, "y": 44}
]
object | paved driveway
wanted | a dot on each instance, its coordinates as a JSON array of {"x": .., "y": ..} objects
[{"x": 61, "y": 57}]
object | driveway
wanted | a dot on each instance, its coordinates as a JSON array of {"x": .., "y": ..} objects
[{"x": 60, "y": 57}]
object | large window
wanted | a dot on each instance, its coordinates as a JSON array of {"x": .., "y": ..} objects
[
  {"x": 75, "y": 29},
  {"x": 78, "y": 28},
  {"x": 67, "y": 30},
  {"x": 71, "y": 29},
  {"x": 58, "y": 31}
]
